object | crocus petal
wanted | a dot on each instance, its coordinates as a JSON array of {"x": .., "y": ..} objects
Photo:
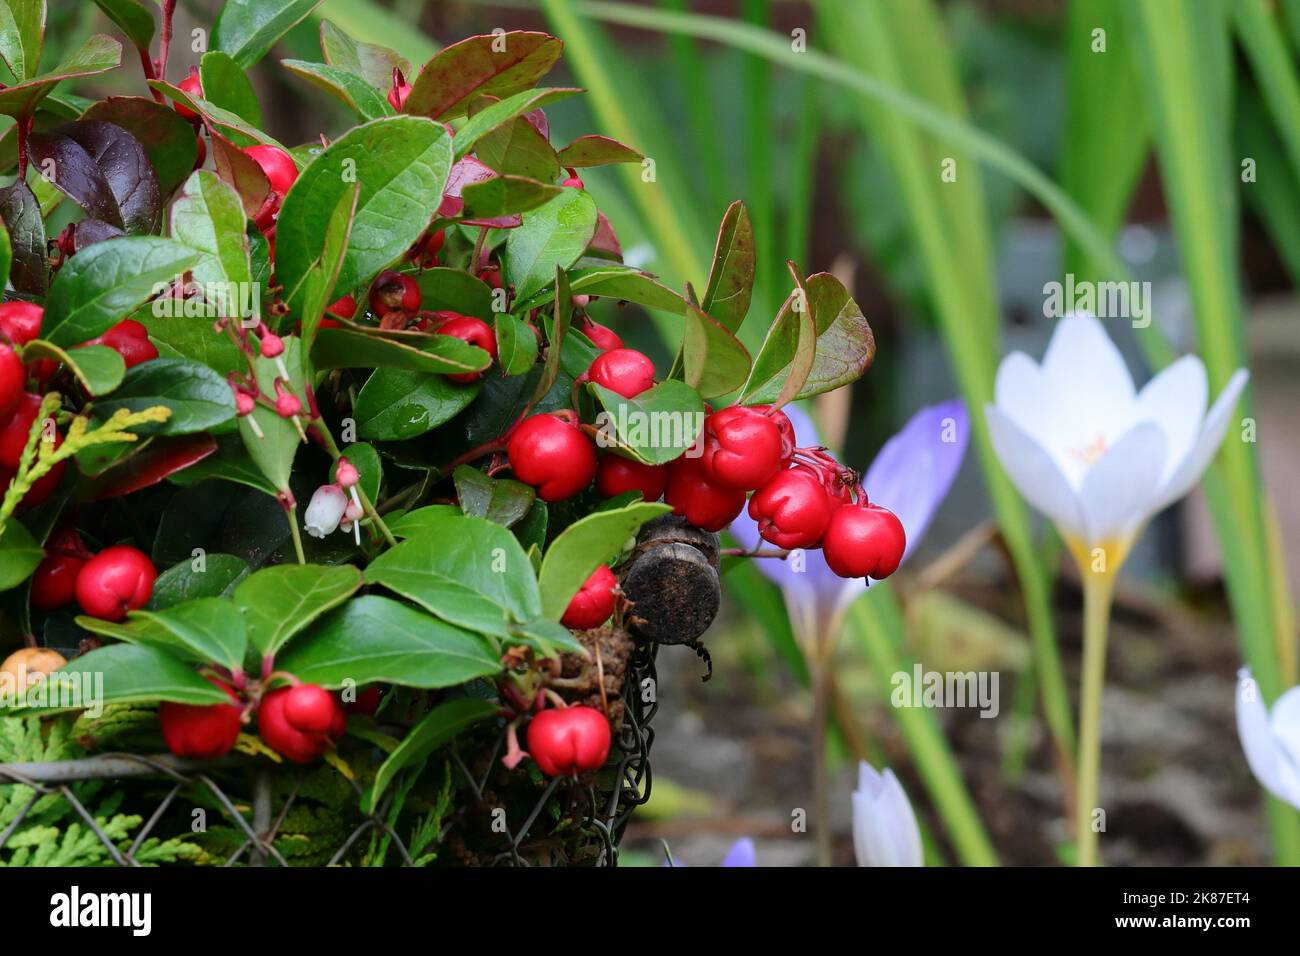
[
  {"x": 1189, "y": 472},
  {"x": 1034, "y": 472},
  {"x": 1023, "y": 393},
  {"x": 325, "y": 510},
  {"x": 741, "y": 854},
  {"x": 1082, "y": 360},
  {"x": 1272, "y": 748},
  {"x": 885, "y": 832},
  {"x": 915, "y": 469},
  {"x": 1118, "y": 489},
  {"x": 1175, "y": 400}
]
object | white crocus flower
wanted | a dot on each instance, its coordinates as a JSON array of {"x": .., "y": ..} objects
[
  {"x": 1271, "y": 741},
  {"x": 325, "y": 510},
  {"x": 1089, "y": 450},
  {"x": 884, "y": 827}
]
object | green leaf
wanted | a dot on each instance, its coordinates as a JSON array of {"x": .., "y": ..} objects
[
  {"x": 731, "y": 278},
  {"x": 182, "y": 582},
  {"x": 12, "y": 37},
  {"x": 313, "y": 294},
  {"x": 552, "y": 235},
  {"x": 98, "y": 54},
  {"x": 136, "y": 674},
  {"x": 231, "y": 462},
  {"x": 845, "y": 346},
  {"x": 434, "y": 729},
  {"x": 20, "y": 553},
  {"x": 6, "y": 254},
  {"x": 614, "y": 281},
  {"x": 421, "y": 520},
  {"x": 369, "y": 467},
  {"x": 206, "y": 630},
  {"x": 352, "y": 91},
  {"x": 167, "y": 138},
  {"x": 349, "y": 347},
  {"x": 547, "y": 638},
  {"x": 371, "y": 62},
  {"x": 502, "y": 501},
  {"x": 465, "y": 570},
  {"x": 273, "y": 450},
  {"x": 516, "y": 344},
  {"x": 657, "y": 425},
  {"x": 226, "y": 84},
  {"x": 584, "y": 546},
  {"x": 506, "y": 195},
  {"x": 278, "y": 602},
  {"x": 597, "y": 151},
  {"x": 519, "y": 148},
  {"x": 199, "y": 398},
  {"x": 209, "y": 216},
  {"x": 397, "y": 404},
  {"x": 457, "y": 291},
  {"x": 401, "y": 163},
  {"x": 247, "y": 29},
  {"x": 105, "y": 283},
  {"x": 557, "y": 338},
  {"x": 98, "y": 368},
  {"x": 373, "y": 639},
  {"x": 497, "y": 64},
  {"x": 488, "y": 119},
  {"x": 714, "y": 361},
  {"x": 192, "y": 338},
  {"x": 133, "y": 19}
]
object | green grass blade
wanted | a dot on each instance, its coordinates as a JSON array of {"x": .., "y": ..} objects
[{"x": 1275, "y": 69}]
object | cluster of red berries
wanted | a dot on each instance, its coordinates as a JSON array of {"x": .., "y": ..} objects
[
  {"x": 300, "y": 723},
  {"x": 395, "y": 298},
  {"x": 20, "y": 323},
  {"x": 802, "y": 497},
  {"x": 107, "y": 585}
]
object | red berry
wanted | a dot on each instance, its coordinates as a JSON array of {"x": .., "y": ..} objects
[
  {"x": 473, "y": 330},
  {"x": 54, "y": 583},
  {"x": 425, "y": 252},
  {"x": 491, "y": 275},
  {"x": 784, "y": 426},
  {"x": 21, "y": 321},
  {"x": 203, "y": 732},
  {"x": 700, "y": 500},
  {"x": 864, "y": 541},
  {"x": 311, "y": 708},
  {"x": 194, "y": 87},
  {"x": 625, "y": 371},
  {"x": 200, "y": 150},
  {"x": 12, "y": 379},
  {"x": 552, "y": 455},
  {"x": 277, "y": 723},
  {"x": 742, "y": 447},
  {"x": 130, "y": 340},
  {"x": 345, "y": 307},
  {"x": 594, "y": 602},
  {"x": 617, "y": 475},
  {"x": 574, "y": 182},
  {"x": 117, "y": 580},
  {"x": 569, "y": 740},
  {"x": 281, "y": 171},
  {"x": 603, "y": 338},
  {"x": 14, "y": 431},
  {"x": 367, "y": 702},
  {"x": 393, "y": 292},
  {"x": 792, "y": 509}
]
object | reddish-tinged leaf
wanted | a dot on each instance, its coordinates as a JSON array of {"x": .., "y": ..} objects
[
  {"x": 597, "y": 151},
  {"x": 466, "y": 172},
  {"x": 499, "y": 64},
  {"x": 604, "y": 244},
  {"x": 806, "y": 350},
  {"x": 160, "y": 458},
  {"x": 239, "y": 170}
]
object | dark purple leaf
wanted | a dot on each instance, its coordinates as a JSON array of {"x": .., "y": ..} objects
[
  {"x": 69, "y": 167},
  {"x": 166, "y": 136},
  {"x": 125, "y": 167},
  {"x": 90, "y": 231},
  {"x": 22, "y": 217}
]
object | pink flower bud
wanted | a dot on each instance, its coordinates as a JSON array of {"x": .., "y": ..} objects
[
  {"x": 287, "y": 404},
  {"x": 244, "y": 403},
  {"x": 272, "y": 344},
  {"x": 345, "y": 473}
]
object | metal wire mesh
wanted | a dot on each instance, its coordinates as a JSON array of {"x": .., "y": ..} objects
[{"x": 606, "y": 800}]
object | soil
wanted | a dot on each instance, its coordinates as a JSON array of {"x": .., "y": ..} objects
[{"x": 731, "y": 758}]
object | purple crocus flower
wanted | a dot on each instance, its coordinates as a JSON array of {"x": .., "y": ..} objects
[
  {"x": 910, "y": 476},
  {"x": 741, "y": 854}
]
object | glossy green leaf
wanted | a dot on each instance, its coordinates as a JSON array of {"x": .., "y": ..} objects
[
  {"x": 583, "y": 547},
  {"x": 370, "y": 61},
  {"x": 98, "y": 368},
  {"x": 216, "y": 577},
  {"x": 198, "y": 397},
  {"x": 315, "y": 290},
  {"x": 22, "y": 33},
  {"x": 465, "y": 570},
  {"x": 731, "y": 278},
  {"x": 421, "y": 520},
  {"x": 226, "y": 84},
  {"x": 208, "y": 216},
  {"x": 519, "y": 148},
  {"x": 20, "y": 553},
  {"x": 497, "y": 64},
  {"x": 274, "y": 443},
  {"x": 655, "y": 426},
  {"x": 104, "y": 284},
  {"x": 714, "y": 361},
  {"x": 247, "y": 29},
  {"x": 505, "y": 111},
  {"x": 553, "y": 235},
  {"x": 352, "y": 91},
  {"x": 614, "y": 281},
  {"x": 132, "y": 17},
  {"x": 597, "y": 151},
  {"x": 278, "y": 602},
  {"x": 502, "y": 501},
  {"x": 98, "y": 54},
  {"x": 433, "y": 730},
  {"x": 136, "y": 674},
  {"x": 505, "y": 196},
  {"x": 204, "y": 630},
  {"x": 516, "y": 344},
  {"x": 372, "y": 639},
  {"x": 397, "y": 404}
]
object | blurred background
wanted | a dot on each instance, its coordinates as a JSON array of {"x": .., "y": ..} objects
[{"x": 1170, "y": 137}]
